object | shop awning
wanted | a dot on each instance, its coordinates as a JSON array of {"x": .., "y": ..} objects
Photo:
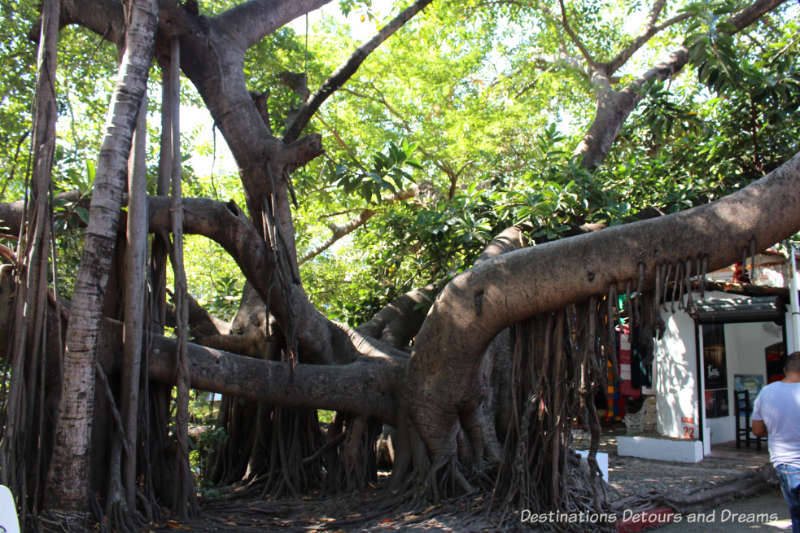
[{"x": 752, "y": 309}]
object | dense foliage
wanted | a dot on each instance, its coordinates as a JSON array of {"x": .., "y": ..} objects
[{"x": 474, "y": 106}]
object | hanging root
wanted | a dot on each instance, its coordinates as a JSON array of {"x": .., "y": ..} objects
[
  {"x": 665, "y": 287},
  {"x": 688, "y": 285},
  {"x": 676, "y": 285},
  {"x": 292, "y": 436},
  {"x": 611, "y": 317},
  {"x": 557, "y": 369},
  {"x": 629, "y": 301},
  {"x": 445, "y": 478},
  {"x": 657, "y": 289},
  {"x": 637, "y": 308},
  {"x": 703, "y": 273}
]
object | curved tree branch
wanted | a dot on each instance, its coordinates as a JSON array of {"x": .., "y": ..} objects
[
  {"x": 614, "y": 107},
  {"x": 514, "y": 286},
  {"x": 344, "y": 72},
  {"x": 104, "y": 17},
  {"x": 399, "y": 322},
  {"x": 252, "y": 21},
  {"x": 322, "y": 341},
  {"x": 366, "y": 386},
  {"x": 226, "y": 224},
  {"x": 575, "y": 39}
]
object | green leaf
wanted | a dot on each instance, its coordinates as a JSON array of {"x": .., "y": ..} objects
[{"x": 83, "y": 214}]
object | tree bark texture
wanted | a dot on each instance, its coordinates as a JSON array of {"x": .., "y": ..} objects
[
  {"x": 135, "y": 289},
  {"x": 184, "y": 488},
  {"x": 25, "y": 436},
  {"x": 68, "y": 477},
  {"x": 367, "y": 386},
  {"x": 437, "y": 395}
]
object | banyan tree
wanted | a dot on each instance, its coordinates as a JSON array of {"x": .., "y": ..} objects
[{"x": 477, "y": 379}]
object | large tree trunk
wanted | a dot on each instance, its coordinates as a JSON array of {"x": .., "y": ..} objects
[
  {"x": 69, "y": 470},
  {"x": 434, "y": 394}
]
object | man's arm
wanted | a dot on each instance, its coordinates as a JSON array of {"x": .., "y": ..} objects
[{"x": 758, "y": 428}]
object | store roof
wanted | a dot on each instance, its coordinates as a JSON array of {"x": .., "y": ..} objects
[{"x": 752, "y": 309}]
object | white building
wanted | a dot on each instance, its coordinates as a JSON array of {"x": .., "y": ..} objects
[{"x": 731, "y": 339}]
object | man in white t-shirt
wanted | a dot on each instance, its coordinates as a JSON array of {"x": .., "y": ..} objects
[{"x": 776, "y": 414}]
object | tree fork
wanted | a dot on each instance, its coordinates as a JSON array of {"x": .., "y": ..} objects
[{"x": 614, "y": 107}]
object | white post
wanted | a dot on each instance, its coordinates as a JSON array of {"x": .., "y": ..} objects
[{"x": 794, "y": 336}]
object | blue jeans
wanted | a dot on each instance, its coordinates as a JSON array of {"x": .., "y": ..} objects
[{"x": 789, "y": 478}]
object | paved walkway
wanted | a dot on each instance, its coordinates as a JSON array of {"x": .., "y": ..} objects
[
  {"x": 765, "y": 512},
  {"x": 680, "y": 483},
  {"x": 731, "y": 490}
]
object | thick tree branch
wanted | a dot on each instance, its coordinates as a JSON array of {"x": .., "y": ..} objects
[
  {"x": 510, "y": 239},
  {"x": 366, "y": 386},
  {"x": 614, "y": 107},
  {"x": 321, "y": 341},
  {"x": 515, "y": 286},
  {"x": 213, "y": 60},
  {"x": 753, "y": 13},
  {"x": 252, "y": 21},
  {"x": 226, "y": 224},
  {"x": 11, "y": 212},
  {"x": 345, "y": 71},
  {"x": 301, "y": 151},
  {"x": 615, "y": 64},
  {"x": 104, "y": 17},
  {"x": 655, "y": 12},
  {"x": 398, "y": 322}
]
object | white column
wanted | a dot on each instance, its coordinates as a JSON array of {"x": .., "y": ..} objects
[{"x": 793, "y": 335}]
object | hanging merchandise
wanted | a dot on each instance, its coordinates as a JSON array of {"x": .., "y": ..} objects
[
  {"x": 626, "y": 386},
  {"x": 615, "y": 401},
  {"x": 641, "y": 360}
]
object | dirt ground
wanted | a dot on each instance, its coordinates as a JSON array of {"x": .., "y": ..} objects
[{"x": 634, "y": 484}]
